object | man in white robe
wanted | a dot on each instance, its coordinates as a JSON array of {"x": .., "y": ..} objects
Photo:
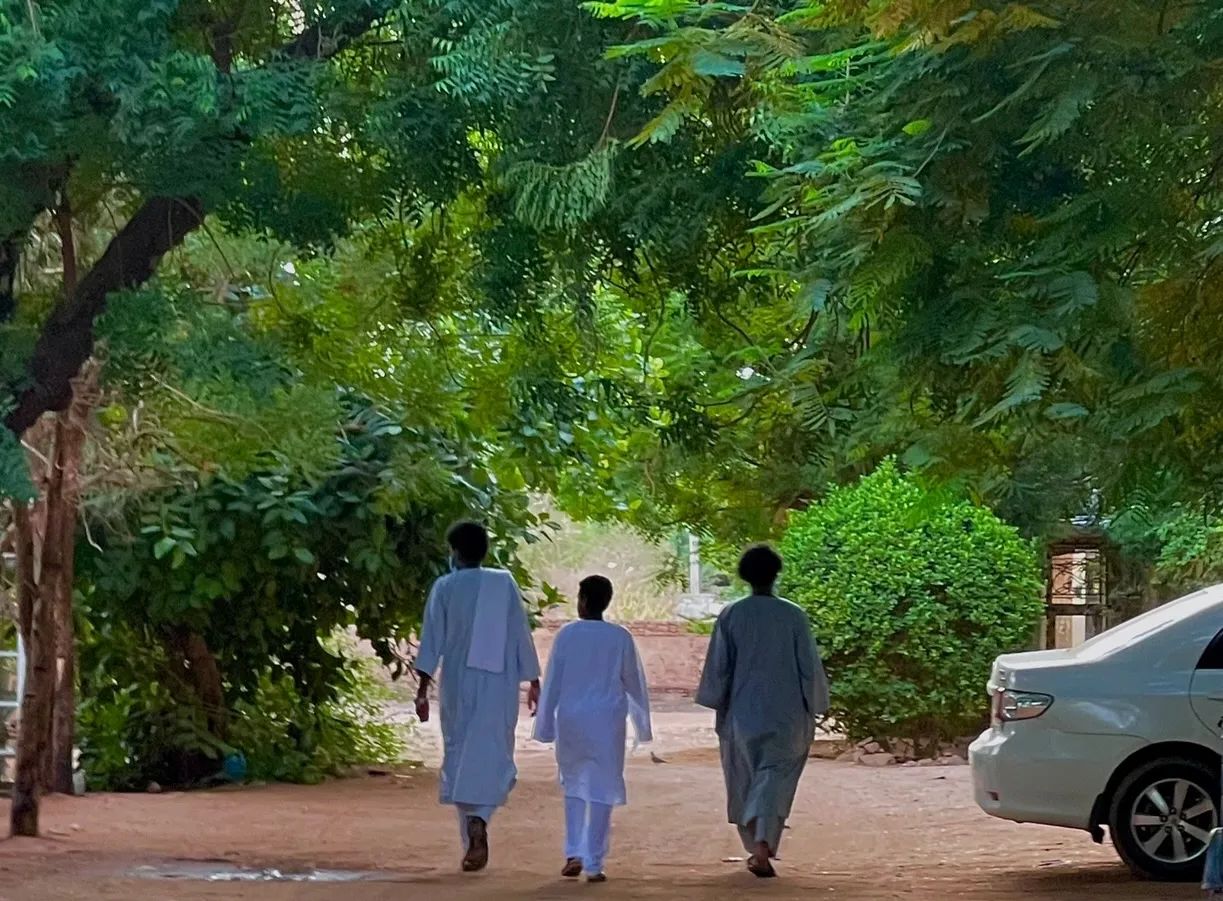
[
  {"x": 764, "y": 679},
  {"x": 476, "y": 627},
  {"x": 594, "y": 683}
]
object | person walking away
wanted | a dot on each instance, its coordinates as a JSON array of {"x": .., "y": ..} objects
[
  {"x": 476, "y": 628},
  {"x": 594, "y": 683},
  {"x": 764, "y": 679}
]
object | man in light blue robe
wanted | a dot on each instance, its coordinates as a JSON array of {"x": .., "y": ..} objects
[
  {"x": 764, "y": 679},
  {"x": 476, "y": 628}
]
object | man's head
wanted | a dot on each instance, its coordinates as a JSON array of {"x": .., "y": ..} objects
[
  {"x": 469, "y": 541},
  {"x": 759, "y": 567},
  {"x": 594, "y": 597}
]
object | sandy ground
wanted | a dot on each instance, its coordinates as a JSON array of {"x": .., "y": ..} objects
[{"x": 857, "y": 833}]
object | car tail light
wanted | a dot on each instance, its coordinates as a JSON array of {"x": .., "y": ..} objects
[{"x": 1010, "y": 706}]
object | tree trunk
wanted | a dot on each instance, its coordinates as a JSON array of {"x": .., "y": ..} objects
[
  {"x": 70, "y": 436},
  {"x": 203, "y": 675},
  {"x": 34, "y": 734},
  {"x": 44, "y": 540}
]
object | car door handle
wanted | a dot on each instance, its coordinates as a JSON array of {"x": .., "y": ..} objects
[{"x": 1214, "y": 697}]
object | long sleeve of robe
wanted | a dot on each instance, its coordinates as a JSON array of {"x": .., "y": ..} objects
[
  {"x": 764, "y": 679},
  {"x": 594, "y": 684},
  {"x": 479, "y": 708}
]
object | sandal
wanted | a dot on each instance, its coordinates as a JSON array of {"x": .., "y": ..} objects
[
  {"x": 573, "y": 868},
  {"x": 760, "y": 867},
  {"x": 596, "y": 878},
  {"x": 476, "y": 858}
]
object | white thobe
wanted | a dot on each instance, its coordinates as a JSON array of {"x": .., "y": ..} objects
[
  {"x": 594, "y": 684},
  {"x": 479, "y": 707}
]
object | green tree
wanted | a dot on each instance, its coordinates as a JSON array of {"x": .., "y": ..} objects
[
  {"x": 468, "y": 147},
  {"x": 1002, "y": 219}
]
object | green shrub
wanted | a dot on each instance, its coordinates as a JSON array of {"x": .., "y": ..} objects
[
  {"x": 137, "y": 724},
  {"x": 286, "y": 739},
  {"x": 912, "y": 597}
]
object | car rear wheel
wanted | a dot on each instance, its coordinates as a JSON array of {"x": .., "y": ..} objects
[{"x": 1161, "y": 816}]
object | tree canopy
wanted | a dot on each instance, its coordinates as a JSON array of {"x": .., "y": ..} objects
[
  {"x": 1002, "y": 218},
  {"x": 367, "y": 266}
]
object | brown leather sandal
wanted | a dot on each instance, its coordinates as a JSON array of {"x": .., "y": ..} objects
[
  {"x": 760, "y": 867},
  {"x": 573, "y": 868},
  {"x": 476, "y": 858}
]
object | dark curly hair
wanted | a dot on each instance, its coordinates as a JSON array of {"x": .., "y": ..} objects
[
  {"x": 759, "y": 566},
  {"x": 469, "y": 541}
]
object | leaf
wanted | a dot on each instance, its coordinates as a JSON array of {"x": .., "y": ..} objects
[
  {"x": 304, "y": 555},
  {"x": 663, "y": 127},
  {"x": 163, "y": 547},
  {"x": 715, "y": 65},
  {"x": 813, "y": 296},
  {"x": 1026, "y": 383},
  {"x": 1043, "y": 61},
  {"x": 1075, "y": 291},
  {"x": 1066, "y": 411},
  {"x": 1059, "y": 116},
  {"x": 1032, "y": 337},
  {"x": 917, "y": 127}
]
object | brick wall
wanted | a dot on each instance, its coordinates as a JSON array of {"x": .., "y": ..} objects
[{"x": 671, "y": 655}]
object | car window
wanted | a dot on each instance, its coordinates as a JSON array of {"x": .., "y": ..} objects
[
  {"x": 1140, "y": 627},
  {"x": 1212, "y": 657}
]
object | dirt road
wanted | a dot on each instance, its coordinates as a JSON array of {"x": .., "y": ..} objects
[{"x": 857, "y": 833}]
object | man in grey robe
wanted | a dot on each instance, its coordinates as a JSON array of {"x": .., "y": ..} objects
[
  {"x": 764, "y": 679},
  {"x": 476, "y": 628}
]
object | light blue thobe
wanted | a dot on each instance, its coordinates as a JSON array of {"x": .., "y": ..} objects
[
  {"x": 479, "y": 709},
  {"x": 764, "y": 678}
]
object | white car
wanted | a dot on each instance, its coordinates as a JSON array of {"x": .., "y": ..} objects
[{"x": 1121, "y": 732}]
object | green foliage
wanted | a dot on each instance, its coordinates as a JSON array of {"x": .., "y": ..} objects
[
  {"x": 559, "y": 197},
  {"x": 286, "y": 738},
  {"x": 138, "y": 722},
  {"x": 15, "y": 481},
  {"x": 912, "y": 597},
  {"x": 680, "y": 264},
  {"x": 998, "y": 232},
  {"x": 261, "y": 566}
]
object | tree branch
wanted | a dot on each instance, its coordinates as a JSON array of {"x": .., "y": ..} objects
[
  {"x": 161, "y": 224},
  {"x": 66, "y": 341}
]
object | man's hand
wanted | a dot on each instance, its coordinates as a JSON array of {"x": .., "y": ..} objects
[{"x": 533, "y": 698}]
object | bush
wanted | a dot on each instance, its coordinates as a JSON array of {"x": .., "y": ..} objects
[
  {"x": 286, "y": 739},
  {"x": 912, "y": 597},
  {"x": 137, "y": 724}
]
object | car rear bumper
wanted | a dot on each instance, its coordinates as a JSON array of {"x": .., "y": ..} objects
[{"x": 1026, "y": 773}]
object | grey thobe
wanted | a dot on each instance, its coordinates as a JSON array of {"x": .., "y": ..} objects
[{"x": 764, "y": 679}]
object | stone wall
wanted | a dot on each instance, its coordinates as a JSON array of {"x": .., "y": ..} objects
[{"x": 671, "y": 655}]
